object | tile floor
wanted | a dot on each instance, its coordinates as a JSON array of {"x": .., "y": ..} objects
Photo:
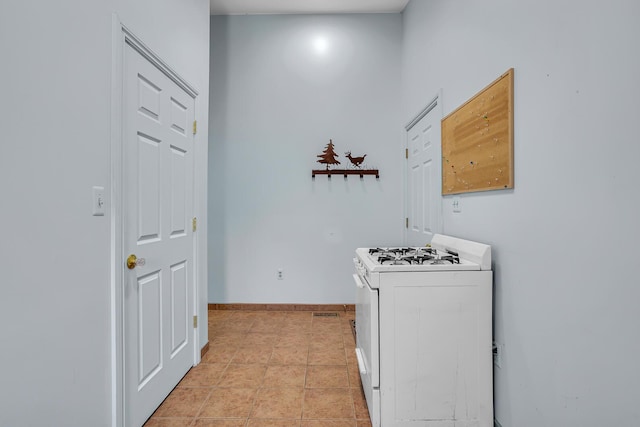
[{"x": 271, "y": 369}]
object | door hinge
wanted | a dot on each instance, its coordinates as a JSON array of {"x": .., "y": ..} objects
[
  {"x": 194, "y": 223},
  {"x": 406, "y": 223},
  {"x": 406, "y": 153},
  {"x": 195, "y": 322},
  {"x": 195, "y": 127}
]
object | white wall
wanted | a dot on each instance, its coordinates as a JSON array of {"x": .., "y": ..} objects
[
  {"x": 565, "y": 240},
  {"x": 275, "y": 103},
  {"x": 55, "y": 80}
]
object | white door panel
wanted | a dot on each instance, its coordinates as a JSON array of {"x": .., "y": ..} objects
[
  {"x": 179, "y": 308},
  {"x": 427, "y": 199},
  {"x": 179, "y": 183},
  {"x": 158, "y": 207},
  {"x": 423, "y": 199},
  {"x": 149, "y": 330},
  {"x": 148, "y": 191},
  {"x": 416, "y": 199}
]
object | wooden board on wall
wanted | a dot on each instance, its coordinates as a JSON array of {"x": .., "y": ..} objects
[{"x": 477, "y": 141}]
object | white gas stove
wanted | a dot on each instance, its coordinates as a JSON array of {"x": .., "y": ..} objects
[
  {"x": 423, "y": 332},
  {"x": 444, "y": 253}
]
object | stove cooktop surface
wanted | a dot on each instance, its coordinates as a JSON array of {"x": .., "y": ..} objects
[
  {"x": 413, "y": 256},
  {"x": 412, "y": 259},
  {"x": 444, "y": 253}
]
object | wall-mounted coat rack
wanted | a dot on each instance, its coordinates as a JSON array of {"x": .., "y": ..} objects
[
  {"x": 329, "y": 157},
  {"x": 345, "y": 172}
]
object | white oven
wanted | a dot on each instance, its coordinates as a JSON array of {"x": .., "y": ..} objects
[{"x": 423, "y": 334}]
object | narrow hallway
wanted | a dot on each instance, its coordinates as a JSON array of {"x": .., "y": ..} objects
[{"x": 271, "y": 369}]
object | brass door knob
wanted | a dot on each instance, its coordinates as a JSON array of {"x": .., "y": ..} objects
[{"x": 132, "y": 262}]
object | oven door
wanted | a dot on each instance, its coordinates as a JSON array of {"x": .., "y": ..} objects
[{"x": 367, "y": 350}]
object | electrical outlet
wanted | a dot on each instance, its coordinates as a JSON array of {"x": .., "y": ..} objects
[
  {"x": 497, "y": 354},
  {"x": 280, "y": 274}
]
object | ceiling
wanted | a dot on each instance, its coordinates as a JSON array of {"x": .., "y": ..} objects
[{"x": 266, "y": 7}]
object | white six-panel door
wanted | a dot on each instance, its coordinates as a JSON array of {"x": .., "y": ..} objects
[
  {"x": 424, "y": 178},
  {"x": 158, "y": 208}
]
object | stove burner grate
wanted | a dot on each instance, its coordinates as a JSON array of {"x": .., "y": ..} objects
[{"x": 412, "y": 256}]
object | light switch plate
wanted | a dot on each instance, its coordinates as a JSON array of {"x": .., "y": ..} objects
[
  {"x": 99, "y": 202},
  {"x": 456, "y": 204}
]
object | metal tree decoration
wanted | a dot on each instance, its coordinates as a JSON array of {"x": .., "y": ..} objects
[{"x": 328, "y": 156}]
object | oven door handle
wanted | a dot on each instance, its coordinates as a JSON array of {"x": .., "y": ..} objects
[{"x": 359, "y": 283}]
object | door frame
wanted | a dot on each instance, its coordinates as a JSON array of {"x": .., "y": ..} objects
[
  {"x": 435, "y": 103},
  {"x": 121, "y": 37}
]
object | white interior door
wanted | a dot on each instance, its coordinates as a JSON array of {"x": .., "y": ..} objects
[
  {"x": 424, "y": 177},
  {"x": 158, "y": 207}
]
